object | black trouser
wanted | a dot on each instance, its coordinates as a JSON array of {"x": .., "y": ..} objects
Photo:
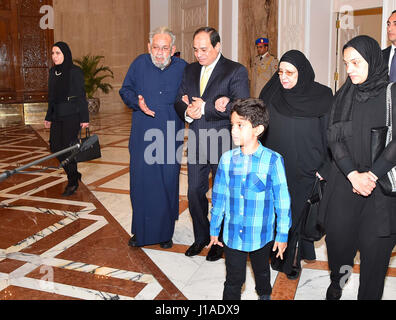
[
  {"x": 198, "y": 186},
  {"x": 351, "y": 226},
  {"x": 235, "y": 261},
  {"x": 63, "y": 134}
]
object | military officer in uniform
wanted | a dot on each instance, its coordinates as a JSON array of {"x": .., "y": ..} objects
[{"x": 263, "y": 66}]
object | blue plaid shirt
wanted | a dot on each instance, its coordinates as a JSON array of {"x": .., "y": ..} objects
[{"x": 248, "y": 193}]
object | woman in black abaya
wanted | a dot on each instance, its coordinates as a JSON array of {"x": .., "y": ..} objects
[
  {"x": 67, "y": 109},
  {"x": 299, "y": 108},
  {"x": 358, "y": 215}
]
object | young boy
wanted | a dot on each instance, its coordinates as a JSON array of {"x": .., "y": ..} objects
[{"x": 249, "y": 192}]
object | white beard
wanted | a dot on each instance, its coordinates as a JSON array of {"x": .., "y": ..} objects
[{"x": 162, "y": 65}]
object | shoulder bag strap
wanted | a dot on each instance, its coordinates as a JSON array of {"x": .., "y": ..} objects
[{"x": 389, "y": 113}]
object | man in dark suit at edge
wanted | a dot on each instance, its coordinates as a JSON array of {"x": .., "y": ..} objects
[
  {"x": 205, "y": 95},
  {"x": 389, "y": 52}
]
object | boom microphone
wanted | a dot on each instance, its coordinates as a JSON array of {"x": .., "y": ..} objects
[
  {"x": 88, "y": 143},
  {"x": 9, "y": 173}
]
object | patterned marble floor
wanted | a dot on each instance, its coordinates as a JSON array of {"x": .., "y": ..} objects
[{"x": 76, "y": 248}]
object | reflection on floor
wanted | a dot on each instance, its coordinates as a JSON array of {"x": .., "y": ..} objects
[{"x": 76, "y": 248}]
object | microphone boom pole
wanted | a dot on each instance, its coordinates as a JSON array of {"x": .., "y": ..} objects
[{"x": 9, "y": 173}]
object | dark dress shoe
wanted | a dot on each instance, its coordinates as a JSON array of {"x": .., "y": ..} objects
[
  {"x": 166, "y": 244},
  {"x": 195, "y": 249},
  {"x": 215, "y": 253},
  {"x": 70, "y": 190},
  {"x": 334, "y": 292},
  {"x": 294, "y": 274},
  {"x": 133, "y": 242}
]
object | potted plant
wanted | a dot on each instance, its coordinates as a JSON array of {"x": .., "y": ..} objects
[{"x": 94, "y": 79}]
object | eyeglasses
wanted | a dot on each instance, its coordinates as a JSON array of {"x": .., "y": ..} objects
[
  {"x": 287, "y": 73},
  {"x": 164, "y": 49}
]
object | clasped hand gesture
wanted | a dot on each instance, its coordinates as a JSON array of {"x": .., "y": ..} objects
[
  {"x": 194, "y": 109},
  {"x": 363, "y": 183},
  {"x": 221, "y": 104}
]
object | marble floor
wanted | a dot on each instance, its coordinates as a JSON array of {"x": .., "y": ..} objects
[{"x": 76, "y": 248}]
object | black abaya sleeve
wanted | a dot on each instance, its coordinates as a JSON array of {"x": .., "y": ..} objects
[{"x": 337, "y": 135}]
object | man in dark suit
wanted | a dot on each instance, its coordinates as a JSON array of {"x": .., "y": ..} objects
[
  {"x": 205, "y": 95},
  {"x": 389, "y": 52}
]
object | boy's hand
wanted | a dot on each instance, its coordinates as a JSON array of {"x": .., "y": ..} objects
[
  {"x": 214, "y": 240},
  {"x": 281, "y": 246}
]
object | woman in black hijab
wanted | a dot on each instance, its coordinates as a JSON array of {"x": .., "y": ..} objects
[
  {"x": 67, "y": 109},
  {"x": 299, "y": 108},
  {"x": 358, "y": 216}
]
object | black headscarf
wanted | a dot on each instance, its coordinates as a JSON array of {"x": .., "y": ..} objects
[
  {"x": 377, "y": 79},
  {"x": 306, "y": 99},
  {"x": 62, "y": 73}
]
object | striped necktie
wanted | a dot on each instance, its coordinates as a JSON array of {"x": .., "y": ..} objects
[
  {"x": 204, "y": 79},
  {"x": 392, "y": 70}
]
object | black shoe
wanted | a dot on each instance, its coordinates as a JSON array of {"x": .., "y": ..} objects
[
  {"x": 334, "y": 292},
  {"x": 265, "y": 297},
  {"x": 70, "y": 190},
  {"x": 166, "y": 244},
  {"x": 195, "y": 249},
  {"x": 294, "y": 274},
  {"x": 215, "y": 253},
  {"x": 133, "y": 242}
]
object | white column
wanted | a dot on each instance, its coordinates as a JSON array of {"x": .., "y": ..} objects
[
  {"x": 292, "y": 25},
  {"x": 159, "y": 16},
  {"x": 320, "y": 43},
  {"x": 306, "y": 25},
  {"x": 228, "y": 27}
]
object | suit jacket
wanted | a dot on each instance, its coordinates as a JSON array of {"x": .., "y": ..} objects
[
  {"x": 386, "y": 55},
  {"x": 229, "y": 79}
]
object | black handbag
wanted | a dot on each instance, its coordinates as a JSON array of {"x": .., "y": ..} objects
[
  {"x": 88, "y": 153},
  {"x": 307, "y": 227},
  {"x": 380, "y": 138},
  {"x": 311, "y": 228}
]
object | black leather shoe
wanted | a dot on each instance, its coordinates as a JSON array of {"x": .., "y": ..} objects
[
  {"x": 195, "y": 249},
  {"x": 294, "y": 274},
  {"x": 133, "y": 242},
  {"x": 166, "y": 244},
  {"x": 70, "y": 190},
  {"x": 334, "y": 292},
  {"x": 215, "y": 253}
]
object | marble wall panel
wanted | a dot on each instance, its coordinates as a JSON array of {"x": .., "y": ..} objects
[{"x": 116, "y": 29}]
